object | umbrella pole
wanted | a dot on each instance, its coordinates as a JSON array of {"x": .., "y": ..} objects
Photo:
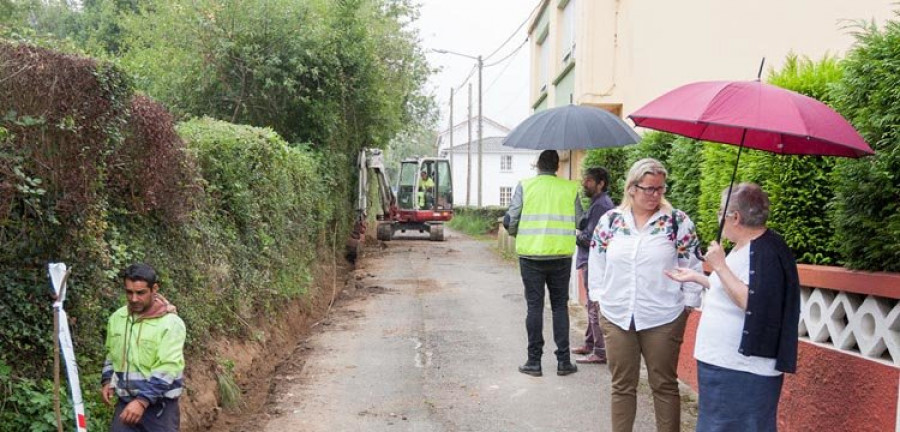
[{"x": 730, "y": 187}]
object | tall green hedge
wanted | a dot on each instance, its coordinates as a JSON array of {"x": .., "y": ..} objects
[
  {"x": 685, "y": 164},
  {"x": 799, "y": 187},
  {"x": 231, "y": 216},
  {"x": 653, "y": 144},
  {"x": 867, "y": 191},
  {"x": 614, "y": 160}
]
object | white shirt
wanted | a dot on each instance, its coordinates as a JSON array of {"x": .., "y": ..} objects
[
  {"x": 626, "y": 264},
  {"x": 722, "y": 324}
]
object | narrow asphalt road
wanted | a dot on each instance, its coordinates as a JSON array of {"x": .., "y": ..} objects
[{"x": 430, "y": 341}]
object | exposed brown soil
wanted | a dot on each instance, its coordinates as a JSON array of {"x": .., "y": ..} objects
[{"x": 256, "y": 360}]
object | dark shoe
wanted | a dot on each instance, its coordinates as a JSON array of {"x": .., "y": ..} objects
[
  {"x": 591, "y": 359},
  {"x": 582, "y": 350},
  {"x": 531, "y": 367},
  {"x": 566, "y": 368}
]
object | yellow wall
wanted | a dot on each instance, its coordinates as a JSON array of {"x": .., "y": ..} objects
[{"x": 629, "y": 52}]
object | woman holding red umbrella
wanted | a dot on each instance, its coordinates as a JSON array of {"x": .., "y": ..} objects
[{"x": 747, "y": 337}]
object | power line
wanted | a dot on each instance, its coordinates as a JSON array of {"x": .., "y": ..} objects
[
  {"x": 512, "y": 53},
  {"x": 502, "y": 71},
  {"x": 468, "y": 77},
  {"x": 528, "y": 18}
]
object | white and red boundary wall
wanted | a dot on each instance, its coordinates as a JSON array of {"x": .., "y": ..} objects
[{"x": 848, "y": 371}]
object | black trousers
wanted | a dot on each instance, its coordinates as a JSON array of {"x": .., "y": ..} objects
[
  {"x": 554, "y": 274},
  {"x": 163, "y": 416}
]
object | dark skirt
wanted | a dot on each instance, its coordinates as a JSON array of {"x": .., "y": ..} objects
[{"x": 737, "y": 401}]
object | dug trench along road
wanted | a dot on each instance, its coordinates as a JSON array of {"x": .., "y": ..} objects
[{"x": 435, "y": 347}]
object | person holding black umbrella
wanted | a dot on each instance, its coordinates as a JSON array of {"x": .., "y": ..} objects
[
  {"x": 542, "y": 216},
  {"x": 747, "y": 337}
]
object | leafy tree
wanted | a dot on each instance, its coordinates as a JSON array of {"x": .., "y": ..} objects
[
  {"x": 341, "y": 75},
  {"x": 415, "y": 143}
]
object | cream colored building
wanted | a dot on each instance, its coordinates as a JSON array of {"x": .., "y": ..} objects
[{"x": 620, "y": 54}]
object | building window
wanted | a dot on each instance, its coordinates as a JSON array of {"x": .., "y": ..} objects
[
  {"x": 505, "y": 196},
  {"x": 543, "y": 66},
  {"x": 506, "y": 163},
  {"x": 567, "y": 32}
]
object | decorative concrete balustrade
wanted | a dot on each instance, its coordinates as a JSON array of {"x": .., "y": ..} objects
[
  {"x": 856, "y": 312},
  {"x": 856, "y": 323}
]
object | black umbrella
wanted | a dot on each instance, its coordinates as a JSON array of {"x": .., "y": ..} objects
[{"x": 571, "y": 127}]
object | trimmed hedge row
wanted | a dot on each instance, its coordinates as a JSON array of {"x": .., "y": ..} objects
[
  {"x": 231, "y": 216},
  {"x": 866, "y": 210}
]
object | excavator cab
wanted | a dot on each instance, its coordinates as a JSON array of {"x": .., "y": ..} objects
[
  {"x": 424, "y": 198},
  {"x": 425, "y": 185}
]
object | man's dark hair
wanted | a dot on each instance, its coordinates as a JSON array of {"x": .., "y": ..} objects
[
  {"x": 139, "y": 272},
  {"x": 598, "y": 174},
  {"x": 548, "y": 161}
]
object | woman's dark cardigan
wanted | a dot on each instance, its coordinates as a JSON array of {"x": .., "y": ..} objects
[{"x": 773, "y": 303}]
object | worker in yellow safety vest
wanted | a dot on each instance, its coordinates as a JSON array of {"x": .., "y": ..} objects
[
  {"x": 543, "y": 215},
  {"x": 426, "y": 191}
]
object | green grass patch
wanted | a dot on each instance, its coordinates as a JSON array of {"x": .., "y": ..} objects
[
  {"x": 472, "y": 224},
  {"x": 229, "y": 391}
]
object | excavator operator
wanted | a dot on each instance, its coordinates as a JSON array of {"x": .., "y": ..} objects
[{"x": 426, "y": 191}]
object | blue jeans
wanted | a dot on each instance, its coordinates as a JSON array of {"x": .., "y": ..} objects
[{"x": 554, "y": 274}]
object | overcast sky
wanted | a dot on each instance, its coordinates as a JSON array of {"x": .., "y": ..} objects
[{"x": 478, "y": 27}]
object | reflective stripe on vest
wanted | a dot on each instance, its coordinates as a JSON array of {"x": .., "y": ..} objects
[{"x": 547, "y": 224}]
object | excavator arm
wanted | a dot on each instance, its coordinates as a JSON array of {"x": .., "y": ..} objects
[{"x": 371, "y": 166}]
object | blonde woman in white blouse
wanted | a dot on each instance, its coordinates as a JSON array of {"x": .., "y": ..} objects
[{"x": 643, "y": 312}]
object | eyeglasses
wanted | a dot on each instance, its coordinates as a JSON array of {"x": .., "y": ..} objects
[
  {"x": 729, "y": 214},
  {"x": 650, "y": 191}
]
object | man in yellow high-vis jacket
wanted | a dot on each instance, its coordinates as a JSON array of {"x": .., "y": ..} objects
[
  {"x": 542, "y": 215},
  {"x": 144, "y": 365},
  {"x": 426, "y": 191}
]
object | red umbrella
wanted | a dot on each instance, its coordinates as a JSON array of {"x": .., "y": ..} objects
[{"x": 755, "y": 115}]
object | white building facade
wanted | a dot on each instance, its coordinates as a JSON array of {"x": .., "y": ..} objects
[{"x": 503, "y": 168}]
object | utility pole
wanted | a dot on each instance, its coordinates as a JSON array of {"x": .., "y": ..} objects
[
  {"x": 469, "y": 124},
  {"x": 480, "y": 128},
  {"x": 469, "y": 151},
  {"x": 451, "y": 133}
]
